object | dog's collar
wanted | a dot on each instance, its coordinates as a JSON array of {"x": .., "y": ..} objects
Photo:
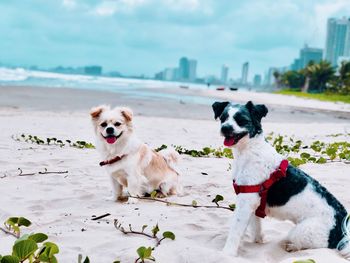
[
  {"x": 263, "y": 187},
  {"x": 113, "y": 160}
]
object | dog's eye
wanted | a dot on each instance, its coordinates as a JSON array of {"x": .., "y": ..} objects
[
  {"x": 117, "y": 124},
  {"x": 104, "y": 124},
  {"x": 241, "y": 121}
]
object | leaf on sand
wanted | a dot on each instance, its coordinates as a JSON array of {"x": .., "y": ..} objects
[
  {"x": 168, "y": 234},
  {"x": 144, "y": 253},
  {"x": 24, "y": 249},
  {"x": 155, "y": 230},
  {"x": 9, "y": 259},
  {"x": 305, "y": 261},
  {"x": 217, "y": 199}
]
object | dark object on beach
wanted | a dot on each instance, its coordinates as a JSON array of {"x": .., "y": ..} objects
[
  {"x": 184, "y": 87},
  {"x": 100, "y": 217},
  {"x": 233, "y": 88},
  {"x": 220, "y": 88}
]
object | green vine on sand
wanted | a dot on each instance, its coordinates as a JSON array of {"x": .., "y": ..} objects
[
  {"x": 295, "y": 150},
  {"x": 145, "y": 253},
  {"x": 319, "y": 152},
  {"x": 194, "y": 204},
  {"x": 53, "y": 141}
]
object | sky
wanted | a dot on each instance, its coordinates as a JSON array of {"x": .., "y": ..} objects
[{"x": 144, "y": 36}]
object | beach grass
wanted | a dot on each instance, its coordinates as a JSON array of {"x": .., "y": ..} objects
[{"x": 317, "y": 96}]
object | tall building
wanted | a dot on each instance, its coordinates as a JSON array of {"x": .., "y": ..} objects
[
  {"x": 159, "y": 75},
  {"x": 257, "y": 80},
  {"x": 245, "y": 69},
  {"x": 187, "y": 69},
  {"x": 308, "y": 54},
  {"x": 184, "y": 68},
  {"x": 192, "y": 70},
  {"x": 170, "y": 74},
  {"x": 338, "y": 39},
  {"x": 296, "y": 65},
  {"x": 224, "y": 73}
]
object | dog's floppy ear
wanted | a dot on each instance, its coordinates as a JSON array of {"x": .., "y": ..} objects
[
  {"x": 257, "y": 111},
  {"x": 95, "y": 112},
  {"x": 127, "y": 114},
  {"x": 218, "y": 108}
]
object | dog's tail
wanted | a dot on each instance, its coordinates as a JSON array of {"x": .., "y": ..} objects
[
  {"x": 171, "y": 156},
  {"x": 344, "y": 244}
]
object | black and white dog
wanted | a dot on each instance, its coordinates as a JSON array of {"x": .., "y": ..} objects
[{"x": 321, "y": 220}]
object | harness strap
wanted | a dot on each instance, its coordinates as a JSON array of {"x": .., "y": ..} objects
[{"x": 263, "y": 188}]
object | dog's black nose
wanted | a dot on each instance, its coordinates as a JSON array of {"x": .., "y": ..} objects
[
  {"x": 109, "y": 130},
  {"x": 226, "y": 130}
]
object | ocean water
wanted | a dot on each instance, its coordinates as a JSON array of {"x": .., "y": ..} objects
[{"x": 135, "y": 88}]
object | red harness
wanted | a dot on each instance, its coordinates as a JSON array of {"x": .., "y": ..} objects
[
  {"x": 113, "y": 160},
  {"x": 263, "y": 187}
]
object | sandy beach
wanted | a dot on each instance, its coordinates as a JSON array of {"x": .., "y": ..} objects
[{"x": 62, "y": 205}]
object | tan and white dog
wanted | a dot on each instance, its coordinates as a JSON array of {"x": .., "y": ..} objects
[{"x": 134, "y": 168}]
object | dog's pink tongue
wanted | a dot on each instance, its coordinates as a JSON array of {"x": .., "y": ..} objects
[
  {"x": 229, "y": 141},
  {"x": 111, "y": 140}
]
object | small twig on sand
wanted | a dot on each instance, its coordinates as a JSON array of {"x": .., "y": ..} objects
[
  {"x": 9, "y": 232},
  {"x": 119, "y": 227},
  {"x": 47, "y": 172},
  {"x": 44, "y": 172},
  {"x": 100, "y": 217},
  {"x": 22, "y": 174},
  {"x": 179, "y": 204}
]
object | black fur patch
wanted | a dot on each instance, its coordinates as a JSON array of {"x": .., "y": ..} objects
[
  {"x": 256, "y": 112},
  {"x": 294, "y": 183},
  {"x": 224, "y": 115},
  {"x": 281, "y": 191},
  {"x": 336, "y": 234},
  {"x": 218, "y": 108}
]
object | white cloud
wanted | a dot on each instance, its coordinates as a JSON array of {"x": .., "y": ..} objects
[
  {"x": 69, "y": 4},
  {"x": 110, "y": 7},
  {"x": 133, "y": 3},
  {"x": 106, "y": 9},
  {"x": 186, "y": 5}
]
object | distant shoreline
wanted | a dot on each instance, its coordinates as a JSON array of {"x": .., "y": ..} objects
[{"x": 158, "y": 102}]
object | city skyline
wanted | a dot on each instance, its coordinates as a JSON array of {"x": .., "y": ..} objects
[{"x": 142, "y": 36}]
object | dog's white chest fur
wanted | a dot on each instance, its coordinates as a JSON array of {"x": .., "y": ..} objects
[{"x": 254, "y": 161}]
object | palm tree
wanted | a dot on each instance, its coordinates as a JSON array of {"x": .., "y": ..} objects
[
  {"x": 293, "y": 79},
  {"x": 344, "y": 70},
  {"x": 323, "y": 75},
  {"x": 343, "y": 85},
  {"x": 277, "y": 77},
  {"x": 308, "y": 71},
  {"x": 317, "y": 76}
]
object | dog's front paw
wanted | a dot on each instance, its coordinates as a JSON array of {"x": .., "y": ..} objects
[
  {"x": 228, "y": 251},
  {"x": 259, "y": 239},
  {"x": 132, "y": 201},
  {"x": 290, "y": 247},
  {"x": 111, "y": 198}
]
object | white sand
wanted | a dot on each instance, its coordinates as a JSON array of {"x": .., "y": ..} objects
[{"x": 62, "y": 206}]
